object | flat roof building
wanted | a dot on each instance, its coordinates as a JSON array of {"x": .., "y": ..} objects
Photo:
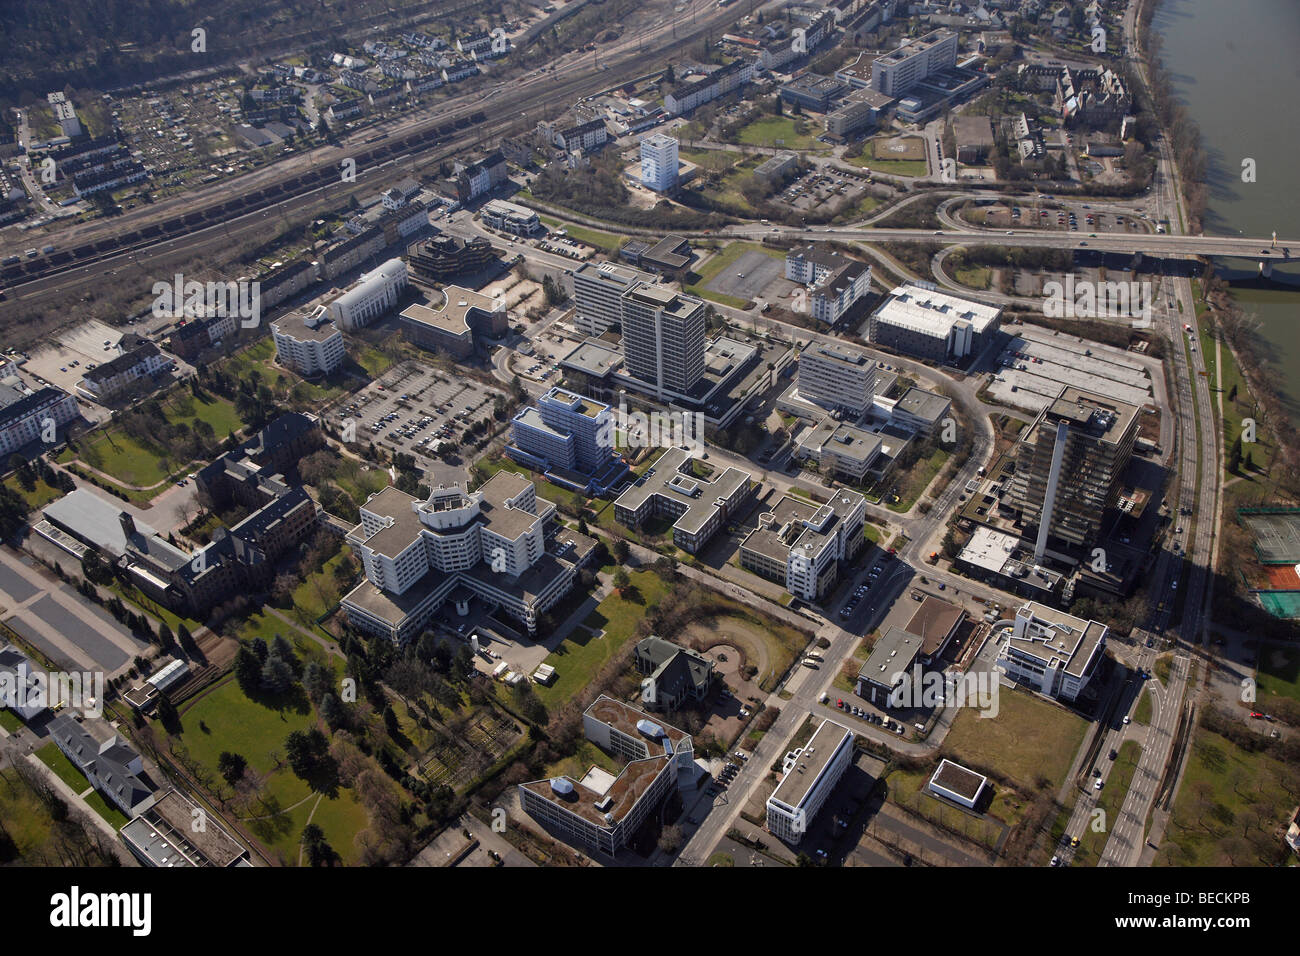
[
  {"x": 809, "y": 774},
  {"x": 954, "y": 782},
  {"x": 837, "y": 378},
  {"x": 664, "y": 338},
  {"x": 898, "y": 71},
  {"x": 603, "y": 815},
  {"x": 456, "y": 323},
  {"x": 841, "y": 449},
  {"x": 920, "y": 320},
  {"x": 699, "y": 506},
  {"x": 1069, "y": 464},
  {"x": 309, "y": 344},
  {"x": 805, "y": 545},
  {"x": 888, "y": 667},
  {"x": 598, "y": 290},
  {"x": 164, "y": 835},
  {"x": 1053, "y": 652}
]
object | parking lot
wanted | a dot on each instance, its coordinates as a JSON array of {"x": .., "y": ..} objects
[
  {"x": 815, "y": 190},
  {"x": 64, "y": 362},
  {"x": 417, "y": 410},
  {"x": 748, "y": 276},
  {"x": 1036, "y": 363}
]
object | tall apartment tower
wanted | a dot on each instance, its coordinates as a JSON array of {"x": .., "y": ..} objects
[
  {"x": 1069, "y": 465},
  {"x": 659, "y": 162},
  {"x": 598, "y": 289},
  {"x": 663, "y": 338}
]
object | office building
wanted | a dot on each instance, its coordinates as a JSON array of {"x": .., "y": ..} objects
[
  {"x": 917, "y": 319},
  {"x": 888, "y": 668},
  {"x": 1052, "y": 652},
  {"x": 699, "y": 506},
  {"x": 511, "y": 217},
  {"x": 498, "y": 544},
  {"x": 570, "y": 437},
  {"x": 842, "y": 450},
  {"x": 440, "y": 258},
  {"x": 461, "y": 320},
  {"x": 974, "y": 138},
  {"x": 813, "y": 91},
  {"x": 919, "y": 409},
  {"x": 898, "y": 71},
  {"x": 805, "y": 545},
  {"x": 602, "y": 812},
  {"x": 837, "y": 378},
  {"x": 598, "y": 289},
  {"x": 310, "y": 344},
  {"x": 164, "y": 835},
  {"x": 664, "y": 338},
  {"x": 375, "y": 293},
  {"x": 809, "y": 774},
  {"x": 834, "y": 281},
  {"x": 1069, "y": 464},
  {"x": 659, "y": 162}
]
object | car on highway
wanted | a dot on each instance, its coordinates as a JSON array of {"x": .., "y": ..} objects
[
  {"x": 1098, "y": 785},
  {"x": 1128, "y": 719}
]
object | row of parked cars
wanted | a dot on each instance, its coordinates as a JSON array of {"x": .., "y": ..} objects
[{"x": 870, "y": 716}]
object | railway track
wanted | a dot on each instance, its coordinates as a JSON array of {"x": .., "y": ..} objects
[{"x": 457, "y": 129}]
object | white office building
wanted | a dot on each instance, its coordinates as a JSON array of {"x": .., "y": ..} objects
[
  {"x": 309, "y": 344},
  {"x": 895, "y": 73},
  {"x": 918, "y": 319},
  {"x": 809, "y": 774},
  {"x": 659, "y": 162},
  {"x": 837, "y": 378},
  {"x": 511, "y": 217},
  {"x": 377, "y": 292},
  {"x": 1052, "y": 652}
]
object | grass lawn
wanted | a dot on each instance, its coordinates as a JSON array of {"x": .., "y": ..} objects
[
  {"x": 975, "y": 277},
  {"x": 1279, "y": 672},
  {"x": 26, "y": 820},
  {"x": 117, "y": 454},
  {"x": 1143, "y": 713},
  {"x": 375, "y": 362},
  {"x": 909, "y": 790},
  {"x": 226, "y": 719},
  {"x": 115, "y": 817},
  {"x": 53, "y": 757},
  {"x": 40, "y": 495},
  {"x": 10, "y": 721},
  {"x": 1028, "y": 739},
  {"x": 884, "y": 164},
  {"x": 582, "y": 654},
  {"x": 714, "y": 160},
  {"x": 1229, "y": 809},
  {"x": 779, "y": 131},
  {"x": 320, "y": 592},
  {"x": 1111, "y": 799}
]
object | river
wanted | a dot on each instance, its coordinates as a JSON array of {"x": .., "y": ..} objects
[{"x": 1234, "y": 65}]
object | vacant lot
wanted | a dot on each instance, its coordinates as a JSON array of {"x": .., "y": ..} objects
[
  {"x": 1028, "y": 739},
  {"x": 701, "y": 280}
]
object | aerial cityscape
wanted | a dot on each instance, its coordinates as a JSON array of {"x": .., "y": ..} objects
[{"x": 685, "y": 433}]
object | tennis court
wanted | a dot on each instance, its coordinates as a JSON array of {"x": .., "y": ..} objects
[
  {"x": 1276, "y": 532},
  {"x": 1283, "y": 604}
]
